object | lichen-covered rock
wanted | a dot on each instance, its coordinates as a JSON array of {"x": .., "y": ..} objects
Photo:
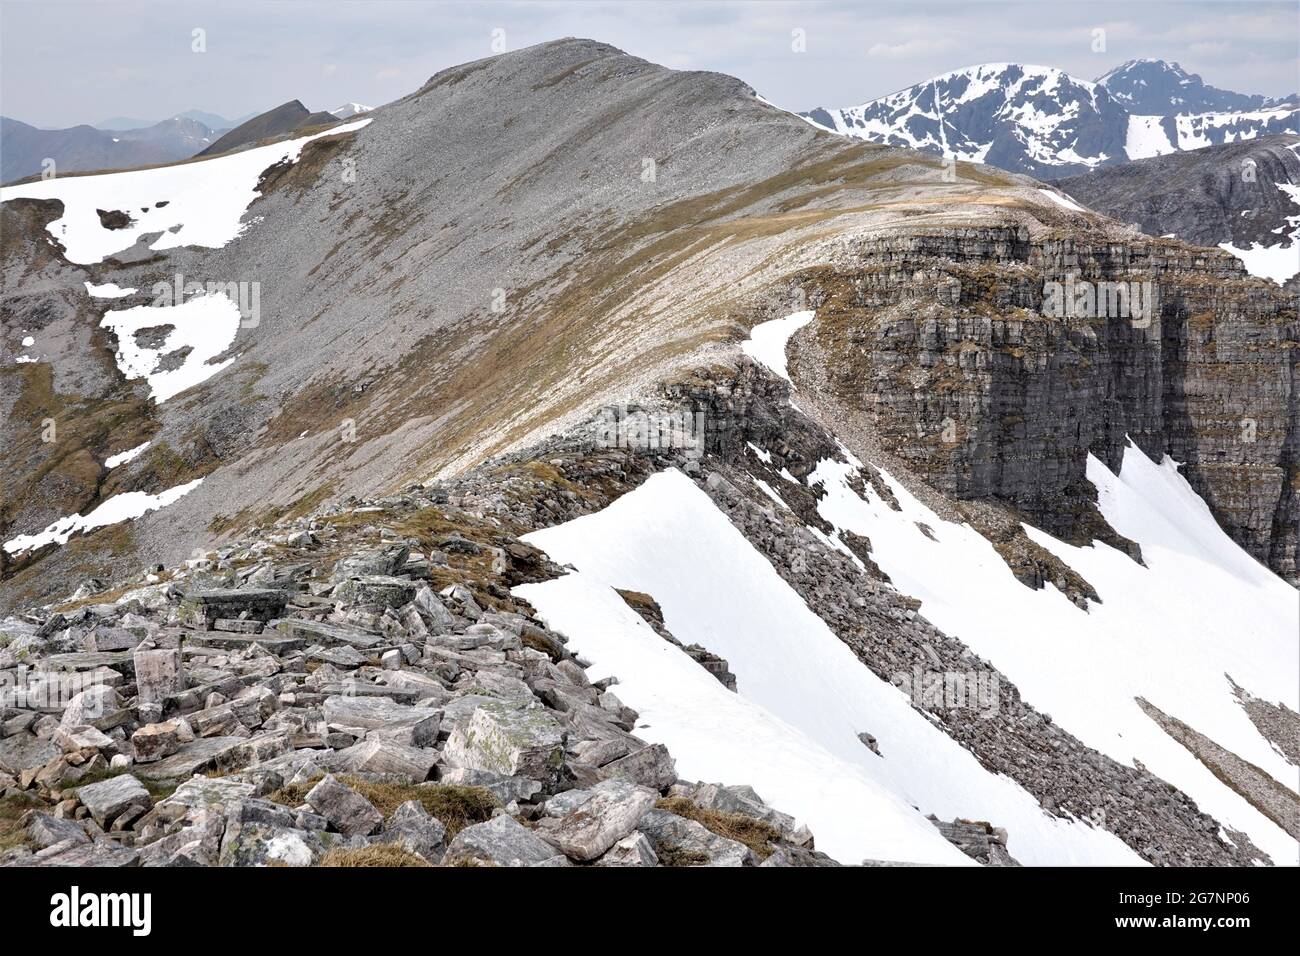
[
  {"x": 345, "y": 809},
  {"x": 594, "y": 820},
  {"x": 508, "y": 739},
  {"x": 501, "y": 841}
]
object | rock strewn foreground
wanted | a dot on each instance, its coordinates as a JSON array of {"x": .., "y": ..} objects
[{"x": 360, "y": 689}]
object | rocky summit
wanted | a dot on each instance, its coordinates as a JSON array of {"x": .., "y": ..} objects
[{"x": 579, "y": 462}]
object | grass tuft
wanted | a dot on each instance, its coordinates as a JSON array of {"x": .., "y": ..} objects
[
  {"x": 381, "y": 854},
  {"x": 755, "y": 834}
]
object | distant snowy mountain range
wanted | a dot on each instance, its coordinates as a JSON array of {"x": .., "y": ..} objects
[{"x": 1042, "y": 121}]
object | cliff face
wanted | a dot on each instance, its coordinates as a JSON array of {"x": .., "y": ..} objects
[{"x": 956, "y": 350}]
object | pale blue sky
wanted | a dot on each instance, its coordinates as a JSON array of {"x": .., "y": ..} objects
[{"x": 72, "y": 62}]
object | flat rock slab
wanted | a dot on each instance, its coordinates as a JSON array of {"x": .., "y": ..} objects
[
  {"x": 388, "y": 758},
  {"x": 346, "y": 657},
  {"x": 508, "y": 739},
  {"x": 359, "y": 715},
  {"x": 327, "y": 634},
  {"x": 277, "y": 644},
  {"x": 26, "y": 752},
  {"x": 202, "y": 609},
  {"x": 108, "y": 798},
  {"x": 100, "y": 853},
  {"x": 122, "y": 661},
  {"x": 400, "y": 694},
  {"x": 503, "y": 841},
  {"x": 198, "y": 756}
]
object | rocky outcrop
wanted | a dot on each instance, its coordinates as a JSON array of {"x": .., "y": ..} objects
[
  {"x": 954, "y": 351},
  {"x": 322, "y": 723}
]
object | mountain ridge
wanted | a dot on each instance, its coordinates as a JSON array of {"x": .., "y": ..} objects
[{"x": 1043, "y": 122}]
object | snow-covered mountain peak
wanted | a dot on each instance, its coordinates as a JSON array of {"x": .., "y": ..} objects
[
  {"x": 1042, "y": 121},
  {"x": 350, "y": 109}
]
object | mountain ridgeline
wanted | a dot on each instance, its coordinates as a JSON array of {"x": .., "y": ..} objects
[
  {"x": 397, "y": 473},
  {"x": 1043, "y": 122}
]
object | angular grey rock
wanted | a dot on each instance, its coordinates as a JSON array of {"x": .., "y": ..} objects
[
  {"x": 509, "y": 740},
  {"x": 742, "y": 799},
  {"x": 383, "y": 561},
  {"x": 633, "y": 850},
  {"x": 344, "y": 808},
  {"x": 380, "y": 756},
  {"x": 327, "y": 634},
  {"x": 44, "y": 831},
  {"x": 84, "y": 737},
  {"x": 506, "y": 789},
  {"x": 651, "y": 766},
  {"x": 201, "y": 608},
  {"x": 607, "y": 813},
  {"x": 251, "y": 843},
  {"x": 786, "y": 856},
  {"x": 358, "y": 716},
  {"x": 415, "y": 830},
  {"x": 434, "y": 612},
  {"x": 99, "y": 853},
  {"x": 198, "y": 756},
  {"x": 682, "y": 842},
  {"x": 501, "y": 841},
  {"x": 91, "y": 705},
  {"x": 158, "y": 674},
  {"x": 109, "y": 798},
  {"x": 153, "y": 742},
  {"x": 380, "y": 589}
]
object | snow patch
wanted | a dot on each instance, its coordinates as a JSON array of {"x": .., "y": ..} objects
[
  {"x": 123, "y": 507},
  {"x": 108, "y": 290},
  {"x": 205, "y": 200},
  {"x": 1062, "y": 200},
  {"x": 791, "y": 730},
  {"x": 206, "y": 324},
  {"x": 1169, "y": 632},
  {"x": 121, "y": 458},
  {"x": 767, "y": 341}
]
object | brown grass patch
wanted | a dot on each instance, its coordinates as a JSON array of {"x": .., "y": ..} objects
[
  {"x": 755, "y": 834},
  {"x": 456, "y": 806},
  {"x": 382, "y": 854}
]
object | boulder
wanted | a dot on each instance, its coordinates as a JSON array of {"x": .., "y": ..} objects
[
  {"x": 91, "y": 705},
  {"x": 44, "y": 831},
  {"x": 416, "y": 831},
  {"x": 380, "y": 756},
  {"x": 510, "y": 740},
  {"x": 682, "y": 842},
  {"x": 345, "y": 809},
  {"x": 633, "y": 850},
  {"x": 605, "y": 814},
  {"x": 501, "y": 841},
  {"x": 153, "y": 742},
  {"x": 158, "y": 674},
  {"x": 109, "y": 799},
  {"x": 650, "y": 766},
  {"x": 383, "y": 590},
  {"x": 200, "y": 609}
]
